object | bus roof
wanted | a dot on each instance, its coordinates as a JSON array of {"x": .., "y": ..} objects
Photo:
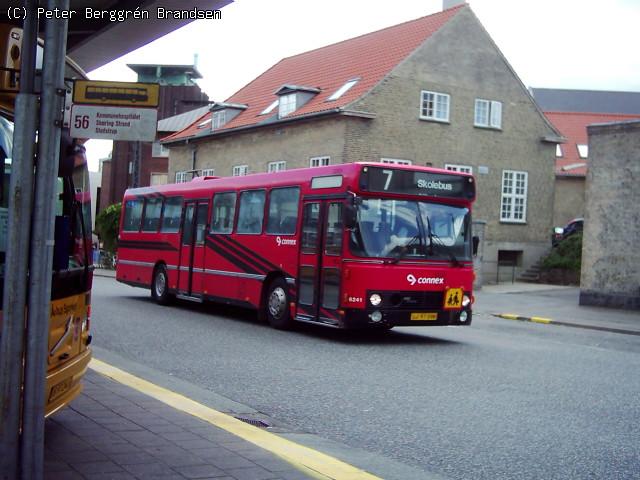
[{"x": 350, "y": 173}]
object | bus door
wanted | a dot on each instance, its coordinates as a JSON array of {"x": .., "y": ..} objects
[
  {"x": 320, "y": 261},
  {"x": 192, "y": 247}
]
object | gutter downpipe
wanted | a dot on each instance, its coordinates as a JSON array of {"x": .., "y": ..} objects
[
  {"x": 17, "y": 256},
  {"x": 42, "y": 242}
]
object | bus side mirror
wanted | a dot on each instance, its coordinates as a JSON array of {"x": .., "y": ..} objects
[
  {"x": 351, "y": 212},
  {"x": 476, "y": 243}
]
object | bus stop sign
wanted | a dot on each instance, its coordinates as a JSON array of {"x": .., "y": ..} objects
[{"x": 114, "y": 110}]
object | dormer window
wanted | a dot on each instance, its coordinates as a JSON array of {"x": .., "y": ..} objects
[
  {"x": 218, "y": 119},
  {"x": 204, "y": 124},
  {"x": 343, "y": 89},
  {"x": 583, "y": 150},
  {"x": 223, "y": 113},
  {"x": 287, "y": 105},
  {"x": 293, "y": 97}
]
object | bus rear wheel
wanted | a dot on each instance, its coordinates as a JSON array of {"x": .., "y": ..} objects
[
  {"x": 277, "y": 305},
  {"x": 160, "y": 286}
]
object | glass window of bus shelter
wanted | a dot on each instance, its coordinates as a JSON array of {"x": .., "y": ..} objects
[
  {"x": 132, "y": 215},
  {"x": 223, "y": 212},
  {"x": 171, "y": 215},
  {"x": 152, "y": 211},
  {"x": 251, "y": 214},
  {"x": 6, "y": 148},
  {"x": 283, "y": 211}
]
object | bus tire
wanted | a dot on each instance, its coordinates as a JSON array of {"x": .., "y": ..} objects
[
  {"x": 277, "y": 305},
  {"x": 160, "y": 286}
]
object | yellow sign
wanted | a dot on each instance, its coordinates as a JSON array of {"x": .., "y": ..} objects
[
  {"x": 453, "y": 298},
  {"x": 116, "y": 93},
  {"x": 424, "y": 316}
]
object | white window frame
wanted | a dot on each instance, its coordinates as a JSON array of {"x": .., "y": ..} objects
[
  {"x": 287, "y": 104},
  {"x": 513, "y": 193},
  {"x": 583, "y": 150},
  {"x": 487, "y": 114},
  {"x": 208, "y": 172},
  {"x": 240, "y": 170},
  {"x": 218, "y": 119},
  {"x": 440, "y": 106},
  {"x": 395, "y": 161},
  {"x": 181, "y": 177},
  {"x": 278, "y": 166},
  {"x": 320, "y": 161},
  {"x": 458, "y": 168},
  {"x": 158, "y": 176}
]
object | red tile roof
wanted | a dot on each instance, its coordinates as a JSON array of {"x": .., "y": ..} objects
[
  {"x": 573, "y": 127},
  {"x": 369, "y": 57}
]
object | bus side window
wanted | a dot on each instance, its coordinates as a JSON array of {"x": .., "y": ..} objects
[
  {"x": 283, "y": 211},
  {"x": 152, "y": 210},
  {"x": 223, "y": 212},
  {"x": 310, "y": 228},
  {"x": 333, "y": 238},
  {"x": 171, "y": 215},
  {"x": 251, "y": 214},
  {"x": 132, "y": 215}
]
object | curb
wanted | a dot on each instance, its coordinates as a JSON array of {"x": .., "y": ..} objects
[{"x": 549, "y": 321}]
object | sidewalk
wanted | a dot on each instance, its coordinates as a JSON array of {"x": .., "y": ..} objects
[
  {"x": 559, "y": 304},
  {"x": 115, "y": 432}
]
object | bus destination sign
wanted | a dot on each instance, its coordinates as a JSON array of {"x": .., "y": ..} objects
[
  {"x": 114, "y": 123},
  {"x": 124, "y": 94},
  {"x": 408, "y": 182}
]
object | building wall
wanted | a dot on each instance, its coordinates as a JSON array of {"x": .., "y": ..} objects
[
  {"x": 295, "y": 144},
  {"x": 569, "y": 200},
  {"x": 610, "y": 255},
  {"x": 462, "y": 61}
]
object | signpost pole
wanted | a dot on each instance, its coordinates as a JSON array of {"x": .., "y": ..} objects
[
  {"x": 15, "y": 286},
  {"x": 32, "y": 451}
]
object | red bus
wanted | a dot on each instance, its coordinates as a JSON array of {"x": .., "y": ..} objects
[{"x": 348, "y": 246}]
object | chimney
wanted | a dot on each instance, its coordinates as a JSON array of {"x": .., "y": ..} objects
[{"x": 446, "y": 4}]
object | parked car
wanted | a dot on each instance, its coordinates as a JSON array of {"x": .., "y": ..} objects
[{"x": 560, "y": 233}]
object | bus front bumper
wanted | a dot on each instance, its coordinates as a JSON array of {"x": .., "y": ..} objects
[
  {"x": 390, "y": 317},
  {"x": 63, "y": 383}
]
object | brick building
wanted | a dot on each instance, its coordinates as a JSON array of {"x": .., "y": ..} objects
[
  {"x": 433, "y": 91},
  {"x": 571, "y": 111},
  {"x": 178, "y": 94}
]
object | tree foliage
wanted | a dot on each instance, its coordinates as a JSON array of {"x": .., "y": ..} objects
[
  {"x": 108, "y": 225},
  {"x": 566, "y": 255}
]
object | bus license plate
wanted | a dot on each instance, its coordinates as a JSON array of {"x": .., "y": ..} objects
[
  {"x": 424, "y": 316},
  {"x": 60, "y": 389}
]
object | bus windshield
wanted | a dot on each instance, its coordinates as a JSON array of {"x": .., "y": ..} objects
[{"x": 398, "y": 229}]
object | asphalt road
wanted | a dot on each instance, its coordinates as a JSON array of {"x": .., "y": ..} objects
[{"x": 496, "y": 400}]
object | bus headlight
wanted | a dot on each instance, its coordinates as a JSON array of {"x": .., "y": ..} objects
[
  {"x": 376, "y": 316},
  {"x": 463, "y": 316},
  {"x": 375, "y": 299},
  {"x": 465, "y": 300}
]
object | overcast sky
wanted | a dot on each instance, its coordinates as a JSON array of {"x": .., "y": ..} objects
[{"x": 579, "y": 44}]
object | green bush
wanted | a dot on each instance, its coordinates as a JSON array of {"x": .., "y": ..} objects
[
  {"x": 108, "y": 225},
  {"x": 566, "y": 255}
]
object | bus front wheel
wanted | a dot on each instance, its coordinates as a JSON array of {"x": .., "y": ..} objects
[
  {"x": 277, "y": 305},
  {"x": 160, "y": 286}
]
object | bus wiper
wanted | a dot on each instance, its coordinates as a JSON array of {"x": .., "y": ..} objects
[
  {"x": 434, "y": 238},
  {"x": 405, "y": 248}
]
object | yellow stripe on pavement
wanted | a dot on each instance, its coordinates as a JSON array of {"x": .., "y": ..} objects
[
  {"x": 312, "y": 462},
  {"x": 509, "y": 316},
  {"x": 541, "y": 320}
]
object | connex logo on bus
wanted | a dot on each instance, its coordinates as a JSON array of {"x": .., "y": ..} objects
[
  {"x": 424, "y": 280},
  {"x": 436, "y": 185},
  {"x": 285, "y": 241}
]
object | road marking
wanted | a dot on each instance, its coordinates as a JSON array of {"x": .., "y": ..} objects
[
  {"x": 312, "y": 462},
  {"x": 546, "y": 321}
]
